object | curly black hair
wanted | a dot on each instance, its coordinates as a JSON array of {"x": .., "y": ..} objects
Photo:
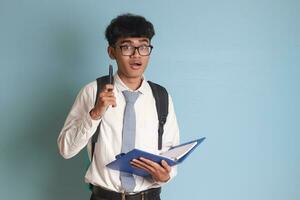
[{"x": 128, "y": 25}]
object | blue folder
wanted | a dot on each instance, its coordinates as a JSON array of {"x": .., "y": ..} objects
[{"x": 122, "y": 162}]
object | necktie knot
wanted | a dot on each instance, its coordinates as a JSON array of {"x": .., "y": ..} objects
[{"x": 130, "y": 97}]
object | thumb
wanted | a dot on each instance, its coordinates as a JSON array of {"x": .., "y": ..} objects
[{"x": 166, "y": 166}]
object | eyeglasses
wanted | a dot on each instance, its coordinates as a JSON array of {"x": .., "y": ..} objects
[{"x": 144, "y": 50}]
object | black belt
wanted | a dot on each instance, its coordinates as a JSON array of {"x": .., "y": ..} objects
[{"x": 149, "y": 194}]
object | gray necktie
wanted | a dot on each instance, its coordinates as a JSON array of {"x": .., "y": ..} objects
[{"x": 128, "y": 134}]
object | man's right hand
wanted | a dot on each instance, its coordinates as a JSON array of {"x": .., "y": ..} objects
[{"x": 106, "y": 98}]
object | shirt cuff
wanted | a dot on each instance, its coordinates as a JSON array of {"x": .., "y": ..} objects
[{"x": 90, "y": 125}]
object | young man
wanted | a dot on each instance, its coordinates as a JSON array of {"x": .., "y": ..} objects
[{"x": 129, "y": 37}]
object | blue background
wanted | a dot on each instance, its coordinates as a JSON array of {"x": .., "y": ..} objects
[{"x": 232, "y": 68}]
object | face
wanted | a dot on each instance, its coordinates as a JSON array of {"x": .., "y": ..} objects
[{"x": 130, "y": 67}]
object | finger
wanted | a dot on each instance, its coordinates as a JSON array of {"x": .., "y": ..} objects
[
  {"x": 107, "y": 101},
  {"x": 108, "y": 87},
  {"x": 156, "y": 167},
  {"x": 166, "y": 166},
  {"x": 145, "y": 165},
  {"x": 141, "y": 167},
  {"x": 138, "y": 166},
  {"x": 112, "y": 103},
  {"x": 105, "y": 98},
  {"x": 107, "y": 94},
  {"x": 150, "y": 162}
]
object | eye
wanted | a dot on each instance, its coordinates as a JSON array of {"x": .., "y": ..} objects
[
  {"x": 143, "y": 47},
  {"x": 126, "y": 47}
]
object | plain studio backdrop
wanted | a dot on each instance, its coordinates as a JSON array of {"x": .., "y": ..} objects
[{"x": 232, "y": 68}]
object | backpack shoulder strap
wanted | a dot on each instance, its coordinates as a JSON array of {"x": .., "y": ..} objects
[
  {"x": 162, "y": 106},
  {"x": 101, "y": 82}
]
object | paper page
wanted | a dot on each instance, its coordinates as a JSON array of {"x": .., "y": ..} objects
[{"x": 178, "y": 152}]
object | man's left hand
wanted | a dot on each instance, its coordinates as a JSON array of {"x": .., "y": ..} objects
[{"x": 159, "y": 172}]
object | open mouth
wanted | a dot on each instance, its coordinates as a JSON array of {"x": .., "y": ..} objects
[{"x": 135, "y": 64}]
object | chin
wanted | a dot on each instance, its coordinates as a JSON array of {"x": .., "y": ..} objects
[{"x": 135, "y": 75}]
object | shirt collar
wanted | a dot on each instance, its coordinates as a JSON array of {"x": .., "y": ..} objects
[{"x": 120, "y": 85}]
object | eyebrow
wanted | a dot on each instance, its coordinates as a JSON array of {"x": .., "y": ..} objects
[{"x": 129, "y": 41}]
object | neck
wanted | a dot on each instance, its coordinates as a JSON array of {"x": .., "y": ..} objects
[{"x": 132, "y": 83}]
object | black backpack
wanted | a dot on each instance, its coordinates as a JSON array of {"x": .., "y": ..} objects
[{"x": 162, "y": 106}]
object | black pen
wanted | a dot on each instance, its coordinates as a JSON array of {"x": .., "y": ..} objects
[{"x": 111, "y": 78}]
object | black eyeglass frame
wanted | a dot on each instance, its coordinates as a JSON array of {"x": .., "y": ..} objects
[{"x": 135, "y": 48}]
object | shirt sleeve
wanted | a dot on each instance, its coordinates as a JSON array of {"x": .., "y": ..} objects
[
  {"x": 79, "y": 126},
  {"x": 170, "y": 137}
]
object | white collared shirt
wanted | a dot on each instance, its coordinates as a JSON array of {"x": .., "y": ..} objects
[{"x": 79, "y": 128}]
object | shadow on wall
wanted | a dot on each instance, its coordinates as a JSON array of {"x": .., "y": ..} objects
[{"x": 35, "y": 165}]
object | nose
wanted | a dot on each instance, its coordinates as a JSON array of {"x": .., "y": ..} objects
[{"x": 135, "y": 53}]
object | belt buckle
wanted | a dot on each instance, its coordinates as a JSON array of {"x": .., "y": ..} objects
[{"x": 124, "y": 195}]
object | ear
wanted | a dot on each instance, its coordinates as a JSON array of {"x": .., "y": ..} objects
[{"x": 111, "y": 52}]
